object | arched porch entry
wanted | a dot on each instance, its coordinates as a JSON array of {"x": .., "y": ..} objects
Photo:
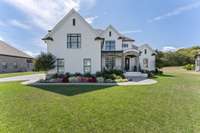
[{"x": 130, "y": 60}]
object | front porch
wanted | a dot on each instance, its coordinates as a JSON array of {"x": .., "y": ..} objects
[{"x": 127, "y": 60}]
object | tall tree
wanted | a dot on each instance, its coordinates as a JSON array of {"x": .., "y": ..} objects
[{"x": 45, "y": 62}]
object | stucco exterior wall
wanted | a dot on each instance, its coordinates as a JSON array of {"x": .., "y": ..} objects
[
  {"x": 73, "y": 58},
  {"x": 149, "y": 56},
  {"x": 114, "y": 37},
  {"x": 129, "y": 45},
  {"x": 14, "y": 64}
]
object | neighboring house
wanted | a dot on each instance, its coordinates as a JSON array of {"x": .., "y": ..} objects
[
  {"x": 79, "y": 47},
  {"x": 197, "y": 62},
  {"x": 14, "y": 60}
]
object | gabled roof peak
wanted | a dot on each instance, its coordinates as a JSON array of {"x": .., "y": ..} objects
[
  {"x": 73, "y": 11},
  {"x": 112, "y": 27}
]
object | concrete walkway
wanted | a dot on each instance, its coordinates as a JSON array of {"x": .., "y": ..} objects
[
  {"x": 32, "y": 79},
  {"x": 28, "y": 79},
  {"x": 142, "y": 82}
]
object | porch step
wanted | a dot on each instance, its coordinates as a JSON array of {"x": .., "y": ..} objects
[{"x": 135, "y": 74}]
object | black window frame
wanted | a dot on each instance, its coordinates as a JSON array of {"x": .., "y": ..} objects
[
  {"x": 108, "y": 45},
  {"x": 125, "y": 44},
  {"x": 87, "y": 66},
  {"x": 58, "y": 65},
  {"x": 74, "y": 44},
  {"x": 110, "y": 62}
]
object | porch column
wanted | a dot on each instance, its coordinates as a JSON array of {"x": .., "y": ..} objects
[
  {"x": 122, "y": 62},
  {"x": 137, "y": 63}
]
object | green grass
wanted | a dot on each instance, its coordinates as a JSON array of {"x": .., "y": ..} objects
[
  {"x": 5, "y": 75},
  {"x": 170, "y": 106}
]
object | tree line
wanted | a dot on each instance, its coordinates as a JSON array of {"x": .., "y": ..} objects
[{"x": 180, "y": 57}]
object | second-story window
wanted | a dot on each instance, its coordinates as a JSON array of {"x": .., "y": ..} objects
[
  {"x": 110, "y": 45},
  {"x": 124, "y": 45},
  {"x": 73, "y": 40}
]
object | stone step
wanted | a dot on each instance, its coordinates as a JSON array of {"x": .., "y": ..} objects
[{"x": 135, "y": 74}]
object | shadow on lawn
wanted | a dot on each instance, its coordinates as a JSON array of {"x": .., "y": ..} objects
[
  {"x": 70, "y": 90},
  {"x": 164, "y": 75}
]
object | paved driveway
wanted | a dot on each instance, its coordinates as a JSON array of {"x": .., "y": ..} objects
[{"x": 28, "y": 79}]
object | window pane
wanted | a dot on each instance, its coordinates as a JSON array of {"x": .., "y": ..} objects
[
  {"x": 87, "y": 65},
  {"x": 87, "y": 69},
  {"x": 125, "y": 45},
  {"x": 60, "y": 65},
  {"x": 87, "y": 62},
  {"x": 110, "y": 62},
  {"x": 145, "y": 63},
  {"x": 110, "y": 45},
  {"x": 73, "y": 40}
]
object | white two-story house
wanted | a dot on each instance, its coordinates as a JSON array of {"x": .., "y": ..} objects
[{"x": 79, "y": 47}]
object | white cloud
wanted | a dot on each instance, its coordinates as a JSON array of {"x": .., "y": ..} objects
[
  {"x": 19, "y": 24},
  {"x": 46, "y": 13},
  {"x": 1, "y": 38},
  {"x": 169, "y": 48},
  {"x": 177, "y": 11},
  {"x": 91, "y": 19},
  {"x": 31, "y": 53},
  {"x": 131, "y": 31}
]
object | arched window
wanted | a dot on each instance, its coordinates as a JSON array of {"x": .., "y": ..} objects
[{"x": 145, "y": 63}]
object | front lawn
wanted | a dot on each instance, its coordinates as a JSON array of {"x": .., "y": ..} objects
[
  {"x": 6, "y": 75},
  {"x": 170, "y": 106}
]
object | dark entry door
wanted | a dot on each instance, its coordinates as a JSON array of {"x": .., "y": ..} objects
[{"x": 127, "y": 64}]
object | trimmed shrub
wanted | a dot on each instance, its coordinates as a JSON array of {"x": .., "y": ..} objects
[
  {"x": 74, "y": 79},
  {"x": 152, "y": 73},
  {"x": 100, "y": 79},
  {"x": 77, "y": 74},
  {"x": 111, "y": 74},
  {"x": 121, "y": 80},
  {"x": 88, "y": 75},
  {"x": 109, "y": 81},
  {"x": 92, "y": 80},
  {"x": 189, "y": 67},
  {"x": 99, "y": 74},
  {"x": 65, "y": 80}
]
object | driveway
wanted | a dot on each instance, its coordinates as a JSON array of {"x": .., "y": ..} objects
[{"x": 28, "y": 79}]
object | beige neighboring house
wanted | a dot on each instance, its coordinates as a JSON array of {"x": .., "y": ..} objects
[{"x": 14, "y": 60}]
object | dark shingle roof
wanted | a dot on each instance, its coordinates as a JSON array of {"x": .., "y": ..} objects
[{"x": 6, "y": 49}]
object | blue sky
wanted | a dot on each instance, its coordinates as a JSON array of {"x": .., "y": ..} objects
[{"x": 168, "y": 24}]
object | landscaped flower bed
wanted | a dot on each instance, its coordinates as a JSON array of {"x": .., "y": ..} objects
[{"x": 111, "y": 76}]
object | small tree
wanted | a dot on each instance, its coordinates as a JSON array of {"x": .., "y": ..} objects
[{"x": 45, "y": 62}]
